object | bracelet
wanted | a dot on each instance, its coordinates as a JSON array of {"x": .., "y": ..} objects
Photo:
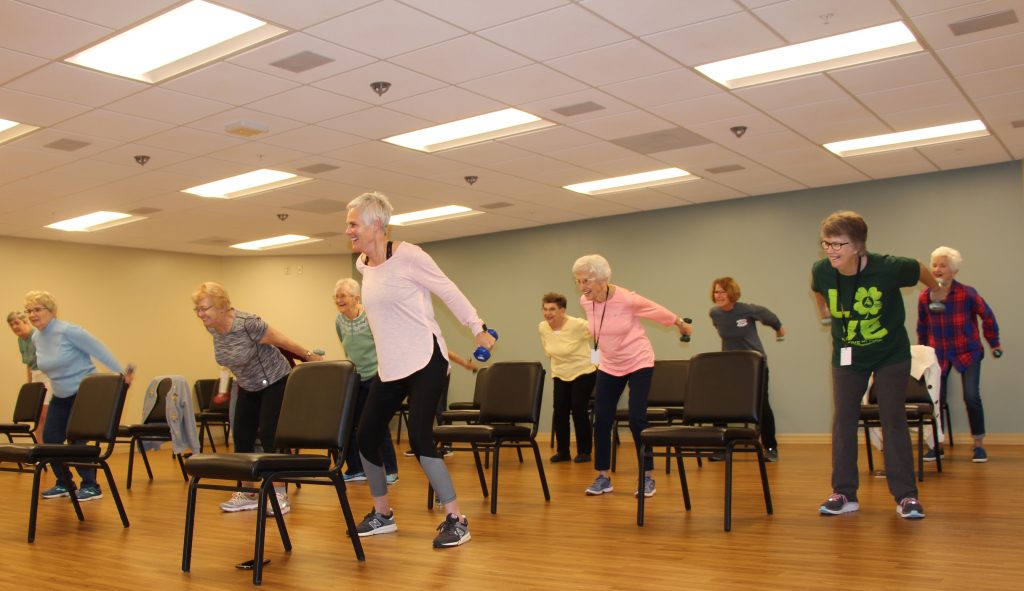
[{"x": 308, "y": 355}]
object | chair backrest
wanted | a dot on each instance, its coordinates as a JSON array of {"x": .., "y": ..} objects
[
  {"x": 725, "y": 387},
  {"x": 29, "y": 406},
  {"x": 513, "y": 391},
  {"x": 159, "y": 412},
  {"x": 917, "y": 392},
  {"x": 205, "y": 389},
  {"x": 319, "y": 401},
  {"x": 480, "y": 387},
  {"x": 668, "y": 382},
  {"x": 96, "y": 412}
]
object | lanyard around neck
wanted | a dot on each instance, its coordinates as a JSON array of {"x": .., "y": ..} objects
[
  {"x": 843, "y": 318},
  {"x": 593, "y": 307}
]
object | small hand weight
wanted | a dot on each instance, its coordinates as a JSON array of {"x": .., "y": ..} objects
[
  {"x": 686, "y": 338},
  {"x": 483, "y": 353}
]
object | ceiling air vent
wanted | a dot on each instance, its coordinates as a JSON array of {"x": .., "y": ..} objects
[
  {"x": 983, "y": 22},
  {"x": 578, "y": 109},
  {"x": 318, "y": 168},
  {"x": 67, "y": 145},
  {"x": 302, "y": 61}
]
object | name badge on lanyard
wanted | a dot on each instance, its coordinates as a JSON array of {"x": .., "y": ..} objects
[
  {"x": 846, "y": 356},
  {"x": 595, "y": 356}
]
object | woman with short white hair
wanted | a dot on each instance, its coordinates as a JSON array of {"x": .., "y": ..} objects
[{"x": 952, "y": 330}]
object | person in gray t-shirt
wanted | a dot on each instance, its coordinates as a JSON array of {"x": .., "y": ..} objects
[{"x": 736, "y": 324}]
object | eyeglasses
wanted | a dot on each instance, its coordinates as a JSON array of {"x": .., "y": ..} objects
[
  {"x": 586, "y": 280},
  {"x": 35, "y": 310},
  {"x": 826, "y": 245},
  {"x": 202, "y": 309}
]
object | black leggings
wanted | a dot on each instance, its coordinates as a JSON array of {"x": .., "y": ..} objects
[
  {"x": 258, "y": 410},
  {"x": 424, "y": 388}
]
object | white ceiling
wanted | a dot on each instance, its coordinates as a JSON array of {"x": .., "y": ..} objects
[{"x": 449, "y": 59}]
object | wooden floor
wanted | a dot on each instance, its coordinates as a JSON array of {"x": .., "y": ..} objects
[{"x": 971, "y": 538}]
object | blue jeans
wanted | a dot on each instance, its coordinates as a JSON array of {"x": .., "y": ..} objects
[
  {"x": 971, "y": 380},
  {"x": 56, "y": 429},
  {"x": 606, "y": 399}
]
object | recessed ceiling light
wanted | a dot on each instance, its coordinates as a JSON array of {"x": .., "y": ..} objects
[
  {"x": 629, "y": 182},
  {"x": 178, "y": 40},
  {"x": 275, "y": 242},
  {"x": 908, "y": 139},
  {"x": 829, "y": 53},
  {"x": 98, "y": 220},
  {"x": 436, "y": 214},
  {"x": 246, "y": 184},
  {"x": 490, "y": 126},
  {"x": 10, "y": 130}
]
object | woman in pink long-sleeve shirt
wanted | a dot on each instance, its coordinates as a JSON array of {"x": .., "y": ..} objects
[
  {"x": 398, "y": 280},
  {"x": 624, "y": 356}
]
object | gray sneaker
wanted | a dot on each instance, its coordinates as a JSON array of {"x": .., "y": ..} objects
[
  {"x": 649, "y": 488},
  {"x": 453, "y": 531},
  {"x": 601, "y": 485},
  {"x": 374, "y": 523}
]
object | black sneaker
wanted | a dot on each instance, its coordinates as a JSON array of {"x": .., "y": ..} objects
[
  {"x": 409, "y": 453},
  {"x": 910, "y": 508},
  {"x": 374, "y": 523},
  {"x": 581, "y": 458},
  {"x": 771, "y": 455},
  {"x": 453, "y": 531},
  {"x": 837, "y": 504},
  {"x": 718, "y": 456},
  {"x": 560, "y": 458}
]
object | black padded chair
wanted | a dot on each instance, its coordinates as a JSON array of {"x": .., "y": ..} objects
[
  {"x": 725, "y": 387},
  {"x": 319, "y": 401},
  {"x": 467, "y": 412},
  {"x": 154, "y": 428},
  {"x": 664, "y": 402},
  {"x": 27, "y": 411},
  {"x": 920, "y": 412},
  {"x": 210, "y": 412},
  {"x": 94, "y": 418},
  {"x": 509, "y": 417}
]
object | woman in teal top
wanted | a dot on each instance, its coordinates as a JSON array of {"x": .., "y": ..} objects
[
  {"x": 357, "y": 341},
  {"x": 859, "y": 295}
]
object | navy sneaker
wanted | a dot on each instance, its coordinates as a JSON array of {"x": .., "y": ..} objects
[
  {"x": 88, "y": 493},
  {"x": 979, "y": 456},
  {"x": 837, "y": 504},
  {"x": 55, "y": 492},
  {"x": 931, "y": 456},
  {"x": 910, "y": 508}
]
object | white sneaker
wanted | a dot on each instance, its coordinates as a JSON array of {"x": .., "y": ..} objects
[
  {"x": 239, "y": 501},
  {"x": 282, "y": 499}
]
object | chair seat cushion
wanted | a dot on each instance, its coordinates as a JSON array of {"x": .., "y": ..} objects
[
  {"x": 28, "y": 452},
  {"x": 212, "y": 415},
  {"x": 463, "y": 406},
  {"x": 872, "y": 412},
  {"x": 694, "y": 436},
  {"x": 252, "y": 466},
  {"x": 480, "y": 433},
  {"x": 144, "y": 429},
  {"x": 15, "y": 428},
  {"x": 654, "y": 413}
]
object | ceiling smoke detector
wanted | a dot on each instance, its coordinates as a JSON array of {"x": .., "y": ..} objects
[{"x": 380, "y": 87}]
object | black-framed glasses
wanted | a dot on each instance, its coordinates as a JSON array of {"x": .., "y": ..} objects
[
  {"x": 202, "y": 309},
  {"x": 35, "y": 310},
  {"x": 826, "y": 245}
]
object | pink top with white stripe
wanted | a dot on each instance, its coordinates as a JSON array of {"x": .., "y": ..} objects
[{"x": 620, "y": 337}]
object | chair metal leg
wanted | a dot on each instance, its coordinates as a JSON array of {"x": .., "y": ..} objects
[
  {"x": 479, "y": 469},
  {"x": 728, "y": 488},
  {"x": 34, "y": 504},
  {"x": 181, "y": 465},
  {"x": 494, "y": 478},
  {"x": 190, "y": 520},
  {"x": 867, "y": 446},
  {"x": 935, "y": 446},
  {"x": 764, "y": 480},
  {"x": 131, "y": 462},
  {"x": 113, "y": 491},
  {"x": 346, "y": 509},
  {"x": 643, "y": 453},
  {"x": 63, "y": 474},
  {"x": 145, "y": 459},
  {"x": 682, "y": 477},
  {"x": 540, "y": 470}
]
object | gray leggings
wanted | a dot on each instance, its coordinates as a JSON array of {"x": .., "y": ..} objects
[{"x": 848, "y": 387}]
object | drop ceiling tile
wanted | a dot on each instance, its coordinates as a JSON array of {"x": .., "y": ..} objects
[
  {"x": 21, "y": 25},
  {"x": 35, "y": 110},
  {"x": 376, "y": 123},
  {"x": 107, "y": 13},
  {"x": 811, "y": 165},
  {"x": 591, "y": 154},
  {"x": 524, "y": 85},
  {"x": 485, "y": 153},
  {"x": 17, "y": 162},
  {"x": 622, "y": 125},
  {"x": 696, "y": 111},
  {"x": 191, "y": 141},
  {"x": 698, "y": 157},
  {"x": 831, "y": 120},
  {"x": 916, "y": 7},
  {"x": 555, "y": 33},
  {"x": 702, "y": 191},
  {"x": 356, "y": 84},
  {"x": 642, "y": 199},
  {"x": 631, "y": 164},
  {"x": 643, "y": 17},
  {"x": 373, "y": 153},
  {"x": 111, "y": 125},
  {"x": 545, "y": 108},
  {"x": 699, "y": 44},
  {"x": 385, "y": 29},
  {"x": 993, "y": 82},
  {"x": 167, "y": 106},
  {"x": 796, "y": 91},
  {"x": 973, "y": 152},
  {"x": 49, "y": 135},
  {"x": 76, "y": 85},
  {"x": 935, "y": 26},
  {"x": 901, "y": 71},
  {"x": 614, "y": 63},
  {"x": 256, "y": 155},
  {"x": 979, "y": 56},
  {"x": 667, "y": 87},
  {"x": 296, "y": 15},
  {"x": 15, "y": 63},
  {"x": 216, "y": 123},
  {"x": 462, "y": 59},
  {"x": 804, "y": 20},
  {"x": 930, "y": 116},
  {"x": 446, "y": 104},
  {"x": 229, "y": 83},
  {"x": 158, "y": 157},
  {"x": 904, "y": 98},
  {"x": 468, "y": 15},
  {"x": 1009, "y": 106},
  {"x": 308, "y": 104},
  {"x": 313, "y": 139},
  {"x": 262, "y": 57},
  {"x": 890, "y": 164}
]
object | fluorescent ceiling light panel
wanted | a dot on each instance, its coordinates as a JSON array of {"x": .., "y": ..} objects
[
  {"x": 275, "y": 242},
  {"x": 829, "y": 53},
  {"x": 10, "y": 130},
  {"x": 629, "y": 182},
  {"x": 448, "y": 212},
  {"x": 908, "y": 139},
  {"x": 97, "y": 220},
  {"x": 247, "y": 184},
  {"x": 490, "y": 126},
  {"x": 182, "y": 39}
]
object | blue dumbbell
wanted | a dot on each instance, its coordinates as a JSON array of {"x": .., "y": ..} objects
[
  {"x": 686, "y": 338},
  {"x": 483, "y": 353}
]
